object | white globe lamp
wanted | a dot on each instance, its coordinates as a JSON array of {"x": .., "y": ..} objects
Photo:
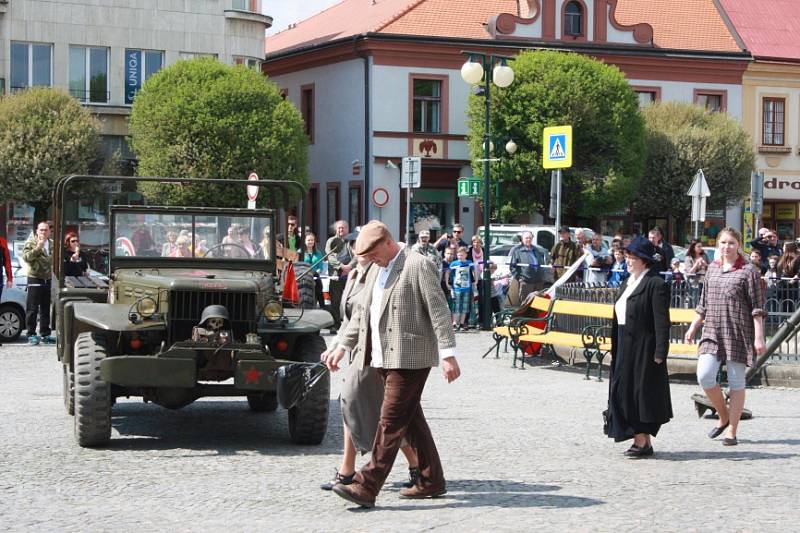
[
  {"x": 472, "y": 72},
  {"x": 503, "y": 75}
]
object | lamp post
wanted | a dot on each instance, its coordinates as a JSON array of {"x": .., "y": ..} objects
[{"x": 490, "y": 69}]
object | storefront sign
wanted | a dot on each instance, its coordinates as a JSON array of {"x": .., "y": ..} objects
[
  {"x": 781, "y": 188},
  {"x": 133, "y": 74}
]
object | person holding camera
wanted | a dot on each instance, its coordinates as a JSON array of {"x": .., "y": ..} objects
[
  {"x": 599, "y": 263},
  {"x": 452, "y": 239},
  {"x": 341, "y": 260},
  {"x": 767, "y": 244}
]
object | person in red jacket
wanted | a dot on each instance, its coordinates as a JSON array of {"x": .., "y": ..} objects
[{"x": 5, "y": 264}]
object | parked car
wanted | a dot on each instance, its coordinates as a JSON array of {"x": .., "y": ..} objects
[
  {"x": 544, "y": 236},
  {"x": 12, "y": 304}
]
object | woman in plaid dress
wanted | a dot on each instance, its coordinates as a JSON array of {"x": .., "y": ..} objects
[{"x": 732, "y": 305}]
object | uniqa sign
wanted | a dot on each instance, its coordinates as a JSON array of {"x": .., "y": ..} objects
[{"x": 133, "y": 74}]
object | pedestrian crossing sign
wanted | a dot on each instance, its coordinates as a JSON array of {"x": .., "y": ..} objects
[{"x": 557, "y": 147}]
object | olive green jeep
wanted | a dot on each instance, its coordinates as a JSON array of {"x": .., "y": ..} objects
[{"x": 183, "y": 304}]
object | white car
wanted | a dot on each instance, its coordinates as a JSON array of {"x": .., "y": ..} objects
[{"x": 12, "y": 305}]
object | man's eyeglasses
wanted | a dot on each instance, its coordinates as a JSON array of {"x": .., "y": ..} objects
[
  {"x": 457, "y": 231},
  {"x": 73, "y": 240}
]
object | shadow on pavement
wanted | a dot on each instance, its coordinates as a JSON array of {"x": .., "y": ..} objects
[
  {"x": 462, "y": 493},
  {"x": 218, "y": 427},
  {"x": 724, "y": 454}
]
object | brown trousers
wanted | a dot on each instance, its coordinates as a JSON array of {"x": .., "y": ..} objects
[{"x": 401, "y": 416}]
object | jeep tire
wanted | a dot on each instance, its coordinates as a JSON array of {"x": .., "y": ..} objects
[
  {"x": 92, "y": 394},
  {"x": 263, "y": 402},
  {"x": 308, "y": 420}
]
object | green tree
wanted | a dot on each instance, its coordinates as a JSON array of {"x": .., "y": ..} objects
[
  {"x": 682, "y": 138},
  {"x": 204, "y": 119},
  {"x": 554, "y": 89},
  {"x": 44, "y": 134}
]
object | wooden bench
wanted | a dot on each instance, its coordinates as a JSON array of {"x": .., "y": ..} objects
[
  {"x": 594, "y": 339},
  {"x": 508, "y": 326}
]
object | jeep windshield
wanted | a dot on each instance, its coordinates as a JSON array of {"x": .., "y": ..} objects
[{"x": 143, "y": 233}]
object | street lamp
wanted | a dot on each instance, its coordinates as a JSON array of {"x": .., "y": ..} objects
[
  {"x": 490, "y": 69},
  {"x": 504, "y": 170}
]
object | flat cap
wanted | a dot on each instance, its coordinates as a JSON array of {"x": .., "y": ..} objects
[
  {"x": 370, "y": 235},
  {"x": 424, "y": 233},
  {"x": 563, "y": 229}
]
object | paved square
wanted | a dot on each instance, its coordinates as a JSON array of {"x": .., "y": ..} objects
[{"x": 522, "y": 451}]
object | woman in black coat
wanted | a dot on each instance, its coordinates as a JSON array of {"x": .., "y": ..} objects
[{"x": 639, "y": 399}]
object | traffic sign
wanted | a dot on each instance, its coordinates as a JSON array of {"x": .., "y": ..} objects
[
  {"x": 252, "y": 190},
  {"x": 411, "y": 174},
  {"x": 557, "y": 147},
  {"x": 380, "y": 197}
]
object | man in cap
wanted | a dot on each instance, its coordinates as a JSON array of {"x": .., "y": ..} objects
[
  {"x": 424, "y": 246},
  {"x": 402, "y": 327},
  {"x": 565, "y": 252},
  {"x": 341, "y": 261}
]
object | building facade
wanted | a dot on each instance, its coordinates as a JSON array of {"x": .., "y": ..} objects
[
  {"x": 771, "y": 107},
  {"x": 103, "y": 51},
  {"x": 378, "y": 81}
]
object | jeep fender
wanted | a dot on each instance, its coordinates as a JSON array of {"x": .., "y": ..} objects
[{"x": 300, "y": 321}]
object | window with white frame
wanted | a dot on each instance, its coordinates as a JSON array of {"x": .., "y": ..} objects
[
  {"x": 427, "y": 105},
  {"x": 139, "y": 66},
  {"x": 31, "y": 65},
  {"x": 88, "y": 73}
]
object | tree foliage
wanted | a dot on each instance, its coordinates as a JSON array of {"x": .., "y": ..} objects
[
  {"x": 554, "y": 89},
  {"x": 44, "y": 134},
  {"x": 203, "y": 119},
  {"x": 682, "y": 138}
]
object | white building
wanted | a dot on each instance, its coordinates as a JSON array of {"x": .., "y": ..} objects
[
  {"x": 378, "y": 80},
  {"x": 101, "y": 51}
]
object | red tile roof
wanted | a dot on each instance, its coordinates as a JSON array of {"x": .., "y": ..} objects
[
  {"x": 770, "y": 29},
  {"x": 681, "y": 24},
  {"x": 677, "y": 24}
]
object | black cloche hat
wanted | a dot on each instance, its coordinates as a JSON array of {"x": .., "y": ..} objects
[{"x": 642, "y": 248}]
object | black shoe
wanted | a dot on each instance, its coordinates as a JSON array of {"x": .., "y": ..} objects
[
  {"x": 338, "y": 479},
  {"x": 413, "y": 476},
  {"x": 637, "y": 453},
  {"x": 730, "y": 441},
  {"x": 717, "y": 431}
]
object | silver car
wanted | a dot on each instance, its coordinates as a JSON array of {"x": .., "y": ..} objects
[{"x": 12, "y": 304}]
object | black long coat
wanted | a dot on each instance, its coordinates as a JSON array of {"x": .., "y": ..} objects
[{"x": 642, "y": 384}]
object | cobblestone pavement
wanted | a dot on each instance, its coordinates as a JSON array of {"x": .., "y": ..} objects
[{"x": 522, "y": 450}]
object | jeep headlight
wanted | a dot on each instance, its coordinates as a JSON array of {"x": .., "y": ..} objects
[
  {"x": 146, "y": 306},
  {"x": 273, "y": 311}
]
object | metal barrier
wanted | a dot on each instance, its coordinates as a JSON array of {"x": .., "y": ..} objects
[{"x": 782, "y": 299}]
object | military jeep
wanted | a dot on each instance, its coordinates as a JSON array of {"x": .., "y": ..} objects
[{"x": 188, "y": 306}]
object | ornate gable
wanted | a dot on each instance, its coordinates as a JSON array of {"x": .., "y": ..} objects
[{"x": 590, "y": 21}]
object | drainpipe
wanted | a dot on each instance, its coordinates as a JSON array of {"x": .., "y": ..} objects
[{"x": 367, "y": 133}]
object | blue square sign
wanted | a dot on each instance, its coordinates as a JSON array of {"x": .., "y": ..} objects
[{"x": 558, "y": 147}]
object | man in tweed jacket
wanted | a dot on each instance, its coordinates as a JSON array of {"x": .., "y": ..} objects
[{"x": 402, "y": 326}]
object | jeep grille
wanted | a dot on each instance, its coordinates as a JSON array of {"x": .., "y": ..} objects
[{"x": 185, "y": 308}]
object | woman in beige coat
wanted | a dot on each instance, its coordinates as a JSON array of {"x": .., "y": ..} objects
[{"x": 362, "y": 395}]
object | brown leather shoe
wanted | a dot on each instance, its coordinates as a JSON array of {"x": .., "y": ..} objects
[
  {"x": 417, "y": 493},
  {"x": 355, "y": 493}
]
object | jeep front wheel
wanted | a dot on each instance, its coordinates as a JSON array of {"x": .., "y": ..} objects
[
  {"x": 308, "y": 420},
  {"x": 92, "y": 394}
]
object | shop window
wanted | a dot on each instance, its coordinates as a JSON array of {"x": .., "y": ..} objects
[
  {"x": 772, "y": 121},
  {"x": 713, "y": 101},
  {"x": 31, "y": 65},
  {"x": 427, "y": 105},
  {"x": 307, "y": 110},
  {"x": 88, "y": 74},
  {"x": 332, "y": 205},
  {"x": 574, "y": 19},
  {"x": 355, "y": 205}
]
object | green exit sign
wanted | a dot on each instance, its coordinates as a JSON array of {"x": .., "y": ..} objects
[{"x": 470, "y": 187}]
